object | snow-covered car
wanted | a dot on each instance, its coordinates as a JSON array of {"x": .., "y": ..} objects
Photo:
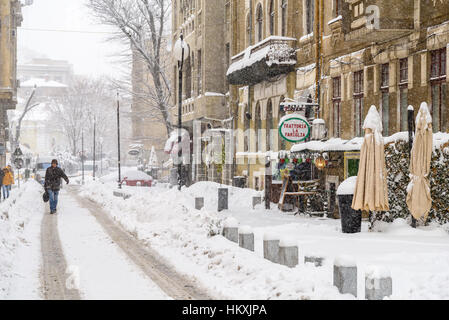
[{"x": 137, "y": 178}]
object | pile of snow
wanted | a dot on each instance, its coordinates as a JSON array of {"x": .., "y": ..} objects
[
  {"x": 15, "y": 215},
  {"x": 191, "y": 241},
  {"x": 376, "y": 272},
  {"x": 129, "y": 174},
  {"x": 345, "y": 261},
  {"x": 347, "y": 187}
]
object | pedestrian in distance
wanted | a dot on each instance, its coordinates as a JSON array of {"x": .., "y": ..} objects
[
  {"x": 12, "y": 176},
  {"x": 8, "y": 180},
  {"x": 52, "y": 184},
  {"x": 2, "y": 175}
]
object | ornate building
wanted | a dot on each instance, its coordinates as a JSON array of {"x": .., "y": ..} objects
[
  {"x": 206, "y": 27},
  {"x": 10, "y": 19},
  {"x": 372, "y": 52}
]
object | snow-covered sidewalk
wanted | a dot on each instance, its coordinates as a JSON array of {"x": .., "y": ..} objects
[
  {"x": 100, "y": 268},
  {"x": 20, "y": 254},
  {"x": 166, "y": 220}
]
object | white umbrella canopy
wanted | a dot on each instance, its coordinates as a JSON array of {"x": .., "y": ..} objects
[
  {"x": 371, "y": 193},
  {"x": 419, "y": 200}
]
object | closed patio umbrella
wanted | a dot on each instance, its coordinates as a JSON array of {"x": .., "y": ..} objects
[
  {"x": 371, "y": 193},
  {"x": 419, "y": 200}
]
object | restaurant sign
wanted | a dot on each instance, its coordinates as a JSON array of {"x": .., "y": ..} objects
[{"x": 294, "y": 128}]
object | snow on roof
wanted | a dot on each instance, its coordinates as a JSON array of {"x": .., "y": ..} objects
[
  {"x": 334, "y": 144},
  {"x": 42, "y": 83}
]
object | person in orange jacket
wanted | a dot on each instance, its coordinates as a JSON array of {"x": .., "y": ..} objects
[{"x": 8, "y": 180}]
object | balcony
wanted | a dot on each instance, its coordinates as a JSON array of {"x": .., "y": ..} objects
[
  {"x": 269, "y": 58},
  {"x": 377, "y": 20}
]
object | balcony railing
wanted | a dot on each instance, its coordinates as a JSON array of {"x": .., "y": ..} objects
[{"x": 269, "y": 58}]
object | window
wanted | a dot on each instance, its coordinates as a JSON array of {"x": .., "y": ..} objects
[
  {"x": 338, "y": 7},
  {"x": 310, "y": 15},
  {"x": 403, "y": 70},
  {"x": 272, "y": 17},
  {"x": 403, "y": 93},
  {"x": 228, "y": 59},
  {"x": 259, "y": 23},
  {"x": 228, "y": 15},
  {"x": 385, "y": 96},
  {"x": 248, "y": 31},
  {"x": 247, "y": 133},
  {"x": 188, "y": 80},
  {"x": 270, "y": 125},
  {"x": 200, "y": 73},
  {"x": 336, "y": 101},
  {"x": 438, "y": 89},
  {"x": 282, "y": 113},
  {"x": 358, "y": 102},
  {"x": 258, "y": 128},
  {"x": 284, "y": 17}
]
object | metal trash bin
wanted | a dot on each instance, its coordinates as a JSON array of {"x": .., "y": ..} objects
[{"x": 351, "y": 220}]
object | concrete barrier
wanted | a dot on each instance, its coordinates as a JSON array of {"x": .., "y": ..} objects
[
  {"x": 288, "y": 252},
  {"x": 378, "y": 283},
  {"x": 199, "y": 203},
  {"x": 222, "y": 199},
  {"x": 316, "y": 260},
  {"x": 271, "y": 247},
  {"x": 121, "y": 194},
  {"x": 231, "y": 230},
  {"x": 257, "y": 201},
  {"x": 246, "y": 238},
  {"x": 345, "y": 275}
]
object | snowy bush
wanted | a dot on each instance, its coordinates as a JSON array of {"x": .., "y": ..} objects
[{"x": 398, "y": 164}]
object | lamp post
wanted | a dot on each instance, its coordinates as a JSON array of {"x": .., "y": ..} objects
[
  {"x": 181, "y": 52},
  {"x": 101, "y": 156},
  {"x": 95, "y": 125},
  {"x": 82, "y": 156},
  {"x": 118, "y": 142}
]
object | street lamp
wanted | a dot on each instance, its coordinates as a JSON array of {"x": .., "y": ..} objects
[
  {"x": 101, "y": 155},
  {"x": 118, "y": 141},
  {"x": 180, "y": 52}
]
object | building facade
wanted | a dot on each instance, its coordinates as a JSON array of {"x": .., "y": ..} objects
[
  {"x": 10, "y": 19},
  {"x": 382, "y": 53},
  {"x": 206, "y": 28}
]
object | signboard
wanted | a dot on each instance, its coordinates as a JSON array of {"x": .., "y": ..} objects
[
  {"x": 18, "y": 152},
  {"x": 18, "y": 163},
  {"x": 294, "y": 128},
  {"x": 295, "y": 107}
]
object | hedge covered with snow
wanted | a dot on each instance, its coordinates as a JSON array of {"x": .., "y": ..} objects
[{"x": 398, "y": 165}]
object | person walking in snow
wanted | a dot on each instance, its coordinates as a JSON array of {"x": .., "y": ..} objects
[
  {"x": 7, "y": 181},
  {"x": 2, "y": 175},
  {"x": 52, "y": 184}
]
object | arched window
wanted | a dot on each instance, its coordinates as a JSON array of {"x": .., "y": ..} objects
[
  {"x": 246, "y": 139},
  {"x": 284, "y": 17},
  {"x": 258, "y": 128},
  {"x": 271, "y": 17},
  {"x": 259, "y": 22},
  {"x": 248, "y": 30},
  {"x": 281, "y": 142},
  {"x": 270, "y": 126}
]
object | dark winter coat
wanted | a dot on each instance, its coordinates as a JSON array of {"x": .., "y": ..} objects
[
  {"x": 2, "y": 175},
  {"x": 53, "y": 178}
]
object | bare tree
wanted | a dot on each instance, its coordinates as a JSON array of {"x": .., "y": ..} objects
[
  {"x": 84, "y": 101},
  {"x": 142, "y": 24},
  {"x": 26, "y": 110}
]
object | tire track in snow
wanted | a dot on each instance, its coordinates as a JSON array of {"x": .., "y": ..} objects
[
  {"x": 54, "y": 265},
  {"x": 173, "y": 284}
]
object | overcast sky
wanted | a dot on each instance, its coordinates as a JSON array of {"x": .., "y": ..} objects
[{"x": 89, "y": 53}]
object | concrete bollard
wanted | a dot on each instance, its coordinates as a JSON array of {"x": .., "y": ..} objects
[
  {"x": 246, "y": 238},
  {"x": 345, "y": 275},
  {"x": 378, "y": 283},
  {"x": 199, "y": 203},
  {"x": 288, "y": 252},
  {"x": 257, "y": 201},
  {"x": 231, "y": 230},
  {"x": 317, "y": 261},
  {"x": 271, "y": 247},
  {"x": 222, "y": 199}
]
